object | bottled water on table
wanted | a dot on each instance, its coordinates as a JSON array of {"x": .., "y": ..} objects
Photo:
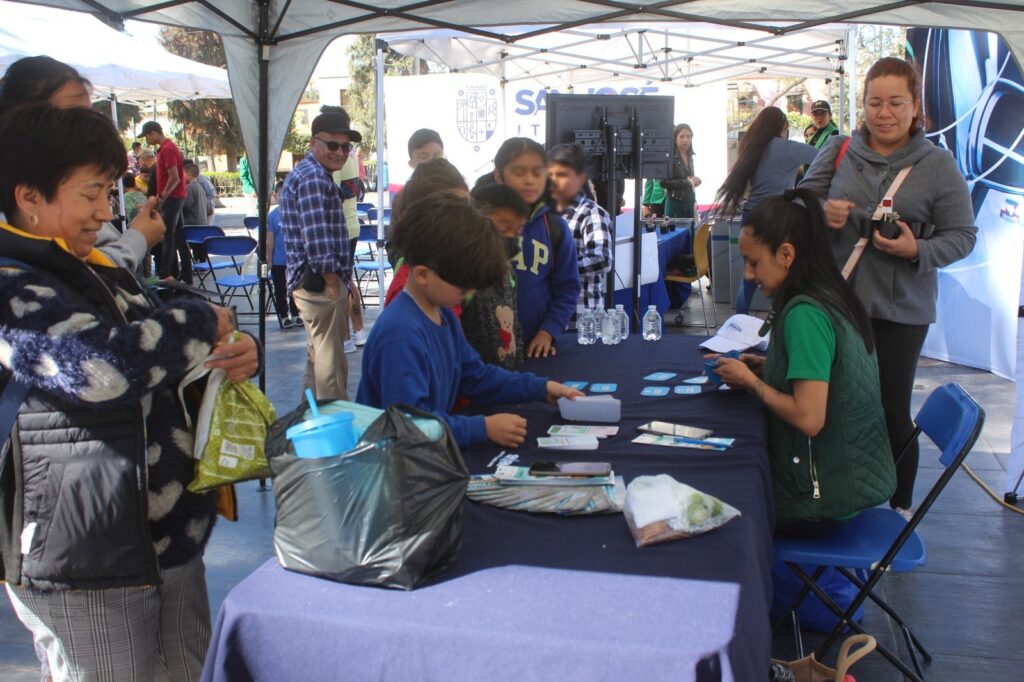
[
  {"x": 598, "y": 322},
  {"x": 610, "y": 328},
  {"x": 586, "y": 333},
  {"x": 620, "y": 313},
  {"x": 652, "y": 324}
]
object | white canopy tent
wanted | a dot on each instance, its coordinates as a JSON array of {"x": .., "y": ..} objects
[
  {"x": 691, "y": 54},
  {"x": 118, "y": 66},
  {"x": 274, "y": 45}
]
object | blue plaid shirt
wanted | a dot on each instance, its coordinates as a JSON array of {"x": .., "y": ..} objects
[
  {"x": 591, "y": 227},
  {"x": 313, "y": 223}
]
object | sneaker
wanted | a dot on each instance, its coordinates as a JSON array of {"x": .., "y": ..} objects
[
  {"x": 360, "y": 337},
  {"x": 287, "y": 323},
  {"x": 350, "y": 346},
  {"x": 905, "y": 513}
]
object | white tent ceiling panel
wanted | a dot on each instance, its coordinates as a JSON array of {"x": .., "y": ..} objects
[{"x": 149, "y": 73}]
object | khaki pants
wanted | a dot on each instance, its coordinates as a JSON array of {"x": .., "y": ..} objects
[{"x": 326, "y": 321}]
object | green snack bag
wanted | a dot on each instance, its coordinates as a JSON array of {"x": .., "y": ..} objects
[{"x": 234, "y": 450}]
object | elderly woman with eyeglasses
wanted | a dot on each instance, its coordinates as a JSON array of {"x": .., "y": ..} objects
[{"x": 927, "y": 224}]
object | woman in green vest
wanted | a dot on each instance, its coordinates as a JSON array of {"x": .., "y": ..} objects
[{"x": 827, "y": 442}]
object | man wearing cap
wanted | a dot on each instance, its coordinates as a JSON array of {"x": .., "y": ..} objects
[
  {"x": 319, "y": 270},
  {"x": 821, "y": 113},
  {"x": 171, "y": 192}
]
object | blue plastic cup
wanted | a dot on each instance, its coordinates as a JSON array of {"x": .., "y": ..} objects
[{"x": 324, "y": 436}]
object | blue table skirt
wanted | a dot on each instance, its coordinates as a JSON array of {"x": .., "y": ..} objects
[
  {"x": 541, "y": 597},
  {"x": 670, "y": 244}
]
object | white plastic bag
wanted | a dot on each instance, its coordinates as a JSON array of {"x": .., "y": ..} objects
[{"x": 660, "y": 508}]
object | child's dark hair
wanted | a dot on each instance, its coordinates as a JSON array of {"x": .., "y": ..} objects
[
  {"x": 490, "y": 198},
  {"x": 422, "y": 138},
  {"x": 515, "y": 147},
  {"x": 430, "y": 177},
  {"x": 571, "y": 155},
  {"x": 43, "y": 145},
  {"x": 36, "y": 79},
  {"x": 128, "y": 181},
  {"x": 814, "y": 272},
  {"x": 448, "y": 235}
]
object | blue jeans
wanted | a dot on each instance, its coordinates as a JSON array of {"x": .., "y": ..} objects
[{"x": 746, "y": 289}]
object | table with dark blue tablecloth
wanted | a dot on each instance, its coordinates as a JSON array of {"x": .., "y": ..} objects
[
  {"x": 546, "y": 597},
  {"x": 675, "y": 242}
]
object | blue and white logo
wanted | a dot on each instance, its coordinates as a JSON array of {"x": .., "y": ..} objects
[{"x": 476, "y": 113}]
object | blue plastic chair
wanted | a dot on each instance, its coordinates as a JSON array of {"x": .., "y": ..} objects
[
  {"x": 367, "y": 273},
  {"x": 251, "y": 222},
  {"x": 879, "y": 540},
  {"x": 195, "y": 235},
  {"x": 228, "y": 286}
]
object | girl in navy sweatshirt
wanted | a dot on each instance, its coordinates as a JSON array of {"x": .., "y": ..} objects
[{"x": 547, "y": 275}]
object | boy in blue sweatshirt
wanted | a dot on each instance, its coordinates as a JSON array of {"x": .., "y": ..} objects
[{"x": 417, "y": 353}]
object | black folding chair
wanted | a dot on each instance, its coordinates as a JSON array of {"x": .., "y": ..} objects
[{"x": 879, "y": 540}]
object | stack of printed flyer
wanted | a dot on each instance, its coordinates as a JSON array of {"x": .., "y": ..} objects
[{"x": 513, "y": 487}]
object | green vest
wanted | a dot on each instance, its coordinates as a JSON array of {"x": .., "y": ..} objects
[{"x": 848, "y": 466}]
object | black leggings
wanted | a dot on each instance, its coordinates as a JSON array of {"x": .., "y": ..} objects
[{"x": 898, "y": 346}]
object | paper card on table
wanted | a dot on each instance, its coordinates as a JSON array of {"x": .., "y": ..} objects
[
  {"x": 654, "y": 390},
  {"x": 702, "y": 379},
  {"x": 603, "y": 388},
  {"x": 592, "y": 408},
  {"x": 717, "y": 444},
  {"x": 568, "y": 442},
  {"x": 659, "y": 376},
  {"x": 575, "y": 430},
  {"x": 580, "y": 385},
  {"x": 687, "y": 390}
]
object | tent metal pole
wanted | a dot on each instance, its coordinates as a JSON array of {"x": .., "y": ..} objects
[
  {"x": 120, "y": 185},
  {"x": 263, "y": 179},
  {"x": 851, "y": 75},
  {"x": 379, "y": 97}
]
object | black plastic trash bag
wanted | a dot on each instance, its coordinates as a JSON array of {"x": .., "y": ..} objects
[{"x": 386, "y": 513}]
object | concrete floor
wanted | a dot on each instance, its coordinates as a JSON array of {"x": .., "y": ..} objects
[{"x": 963, "y": 604}]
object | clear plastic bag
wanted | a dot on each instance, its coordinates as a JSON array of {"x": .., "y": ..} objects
[{"x": 660, "y": 508}]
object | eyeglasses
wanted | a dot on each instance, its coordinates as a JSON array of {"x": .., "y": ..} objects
[
  {"x": 335, "y": 146},
  {"x": 896, "y": 104}
]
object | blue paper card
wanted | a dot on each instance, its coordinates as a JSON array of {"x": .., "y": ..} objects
[
  {"x": 580, "y": 385},
  {"x": 655, "y": 390},
  {"x": 687, "y": 390},
  {"x": 702, "y": 379},
  {"x": 603, "y": 388},
  {"x": 659, "y": 376}
]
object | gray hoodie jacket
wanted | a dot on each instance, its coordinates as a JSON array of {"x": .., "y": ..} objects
[{"x": 934, "y": 192}]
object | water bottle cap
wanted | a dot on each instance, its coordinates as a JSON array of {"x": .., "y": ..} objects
[
  {"x": 619, "y": 306},
  {"x": 652, "y": 307}
]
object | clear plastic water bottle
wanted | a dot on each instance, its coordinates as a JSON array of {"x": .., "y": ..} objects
[
  {"x": 598, "y": 323},
  {"x": 652, "y": 324},
  {"x": 620, "y": 313},
  {"x": 610, "y": 328},
  {"x": 585, "y": 332}
]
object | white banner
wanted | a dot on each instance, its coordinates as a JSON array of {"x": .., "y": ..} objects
[{"x": 474, "y": 114}]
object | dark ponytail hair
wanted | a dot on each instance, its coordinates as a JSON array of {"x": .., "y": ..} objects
[
  {"x": 571, "y": 156},
  {"x": 34, "y": 79},
  {"x": 796, "y": 217},
  {"x": 515, "y": 147},
  {"x": 767, "y": 125}
]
